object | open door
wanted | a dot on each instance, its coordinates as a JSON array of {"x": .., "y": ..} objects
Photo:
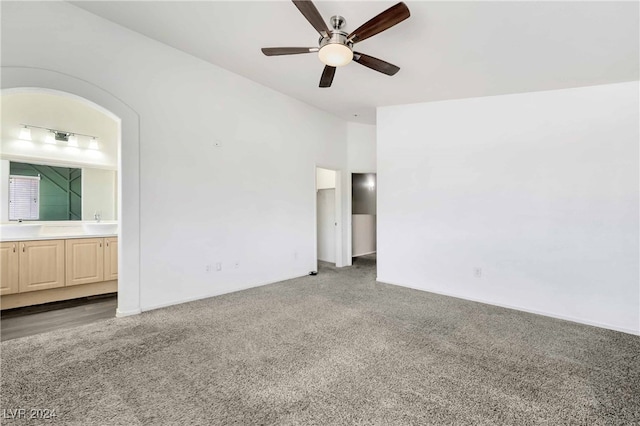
[{"x": 328, "y": 224}]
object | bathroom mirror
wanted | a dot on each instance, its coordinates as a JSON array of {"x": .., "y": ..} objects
[{"x": 42, "y": 192}]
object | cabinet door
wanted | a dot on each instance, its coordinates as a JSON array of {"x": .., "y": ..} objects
[
  {"x": 111, "y": 259},
  {"x": 85, "y": 261},
  {"x": 9, "y": 268},
  {"x": 41, "y": 265}
]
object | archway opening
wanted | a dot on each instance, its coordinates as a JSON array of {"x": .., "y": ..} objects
[{"x": 128, "y": 159}]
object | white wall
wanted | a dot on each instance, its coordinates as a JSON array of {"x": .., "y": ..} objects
[
  {"x": 361, "y": 147},
  {"x": 325, "y": 179},
  {"x": 99, "y": 194},
  {"x": 249, "y": 201},
  {"x": 538, "y": 190}
]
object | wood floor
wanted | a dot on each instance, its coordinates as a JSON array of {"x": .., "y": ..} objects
[{"x": 38, "y": 319}]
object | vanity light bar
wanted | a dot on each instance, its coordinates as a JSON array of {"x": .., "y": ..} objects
[{"x": 54, "y": 135}]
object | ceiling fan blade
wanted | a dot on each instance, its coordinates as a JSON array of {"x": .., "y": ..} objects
[
  {"x": 308, "y": 9},
  {"x": 375, "y": 63},
  {"x": 276, "y": 51},
  {"x": 383, "y": 21},
  {"x": 327, "y": 76}
]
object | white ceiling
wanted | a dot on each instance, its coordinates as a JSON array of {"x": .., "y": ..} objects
[{"x": 446, "y": 50}]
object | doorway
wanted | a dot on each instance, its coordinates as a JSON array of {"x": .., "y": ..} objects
[
  {"x": 363, "y": 217},
  {"x": 328, "y": 241}
]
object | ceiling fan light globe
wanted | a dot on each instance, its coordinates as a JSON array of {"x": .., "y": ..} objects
[{"x": 335, "y": 54}]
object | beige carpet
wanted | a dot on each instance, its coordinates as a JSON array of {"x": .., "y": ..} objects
[{"x": 337, "y": 348}]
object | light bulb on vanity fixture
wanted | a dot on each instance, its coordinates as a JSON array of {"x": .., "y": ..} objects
[
  {"x": 73, "y": 141},
  {"x": 53, "y": 136},
  {"x": 93, "y": 143},
  {"x": 50, "y": 138},
  {"x": 25, "y": 133}
]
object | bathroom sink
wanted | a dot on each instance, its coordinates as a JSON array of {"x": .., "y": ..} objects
[
  {"x": 100, "y": 228},
  {"x": 20, "y": 230}
]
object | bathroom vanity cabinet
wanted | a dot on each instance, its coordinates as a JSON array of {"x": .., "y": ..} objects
[
  {"x": 42, "y": 271},
  {"x": 91, "y": 260}
]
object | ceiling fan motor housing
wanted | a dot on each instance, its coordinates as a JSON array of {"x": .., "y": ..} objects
[
  {"x": 337, "y": 36},
  {"x": 336, "y": 50}
]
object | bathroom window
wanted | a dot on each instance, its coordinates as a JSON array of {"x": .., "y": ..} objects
[{"x": 24, "y": 197}]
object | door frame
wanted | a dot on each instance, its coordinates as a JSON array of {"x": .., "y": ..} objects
[{"x": 339, "y": 234}]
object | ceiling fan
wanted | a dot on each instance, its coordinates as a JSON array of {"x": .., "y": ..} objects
[{"x": 335, "y": 47}]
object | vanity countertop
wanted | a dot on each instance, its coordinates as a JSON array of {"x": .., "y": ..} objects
[
  {"x": 54, "y": 237},
  {"x": 10, "y": 232}
]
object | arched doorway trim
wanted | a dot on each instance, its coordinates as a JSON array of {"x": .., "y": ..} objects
[{"x": 38, "y": 79}]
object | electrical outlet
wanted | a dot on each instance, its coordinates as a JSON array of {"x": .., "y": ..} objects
[
  {"x": 477, "y": 272},
  {"x": 218, "y": 266},
  {"x": 236, "y": 265},
  {"x": 207, "y": 268}
]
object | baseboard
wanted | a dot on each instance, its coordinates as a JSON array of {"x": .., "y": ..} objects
[
  {"x": 519, "y": 308},
  {"x": 363, "y": 254},
  {"x": 206, "y": 296},
  {"x": 37, "y": 297},
  {"x": 120, "y": 314}
]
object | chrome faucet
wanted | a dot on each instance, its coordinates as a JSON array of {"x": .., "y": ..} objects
[{"x": 97, "y": 216}]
